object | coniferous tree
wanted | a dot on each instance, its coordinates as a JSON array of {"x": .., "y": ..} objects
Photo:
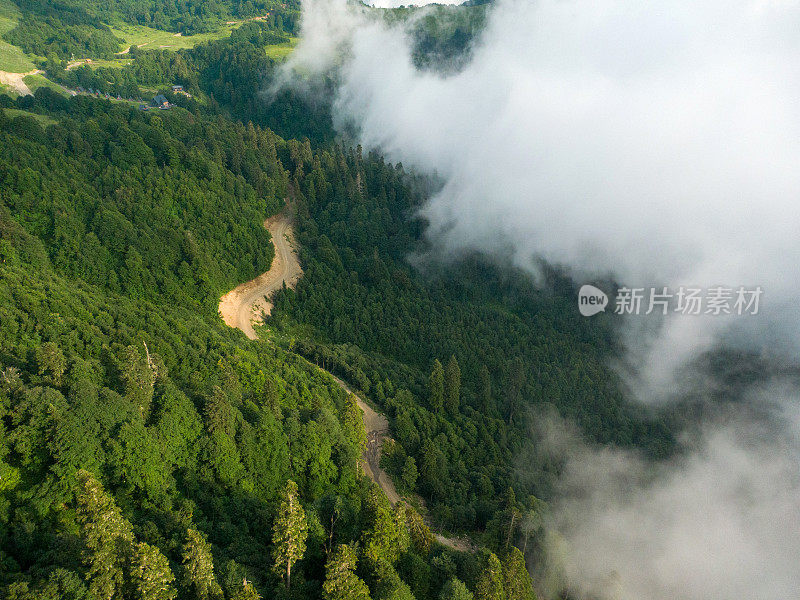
[
  {"x": 512, "y": 515},
  {"x": 455, "y": 589},
  {"x": 490, "y": 582},
  {"x": 517, "y": 582},
  {"x": 421, "y": 537},
  {"x": 384, "y": 540},
  {"x": 436, "y": 387},
  {"x": 341, "y": 581},
  {"x": 198, "y": 567},
  {"x": 138, "y": 379},
  {"x": 218, "y": 412},
  {"x": 354, "y": 423},
  {"x": 515, "y": 379},
  {"x": 530, "y": 521},
  {"x": 289, "y": 533},
  {"x": 485, "y": 389},
  {"x": 151, "y": 576},
  {"x": 246, "y": 592},
  {"x": 409, "y": 473},
  {"x": 452, "y": 386},
  {"x": 107, "y": 535}
]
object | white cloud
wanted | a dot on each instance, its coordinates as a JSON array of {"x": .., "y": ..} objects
[
  {"x": 657, "y": 142},
  {"x": 718, "y": 523}
]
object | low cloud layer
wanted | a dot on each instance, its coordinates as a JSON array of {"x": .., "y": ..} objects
[{"x": 718, "y": 523}]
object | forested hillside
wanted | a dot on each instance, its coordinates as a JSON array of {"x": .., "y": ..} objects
[
  {"x": 146, "y": 450},
  {"x": 81, "y": 28},
  {"x": 463, "y": 358}
]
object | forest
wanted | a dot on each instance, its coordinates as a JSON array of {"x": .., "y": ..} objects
[
  {"x": 80, "y": 28},
  {"x": 147, "y": 451}
]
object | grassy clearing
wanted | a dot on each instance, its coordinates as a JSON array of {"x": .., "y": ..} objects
[
  {"x": 44, "y": 120},
  {"x": 281, "y": 51},
  {"x": 34, "y": 82},
  {"x": 115, "y": 63},
  {"x": 154, "y": 39},
  {"x": 12, "y": 59},
  {"x": 9, "y": 10}
]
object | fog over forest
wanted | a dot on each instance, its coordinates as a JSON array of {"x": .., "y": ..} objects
[{"x": 648, "y": 144}]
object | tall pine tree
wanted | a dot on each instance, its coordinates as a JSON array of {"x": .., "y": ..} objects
[
  {"x": 436, "y": 387},
  {"x": 107, "y": 535},
  {"x": 490, "y": 582},
  {"x": 289, "y": 533},
  {"x": 516, "y": 579},
  {"x": 452, "y": 386},
  {"x": 341, "y": 581},
  {"x": 198, "y": 567},
  {"x": 151, "y": 576}
]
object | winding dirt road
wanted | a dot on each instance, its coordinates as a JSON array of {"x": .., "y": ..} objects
[
  {"x": 377, "y": 427},
  {"x": 245, "y": 304}
]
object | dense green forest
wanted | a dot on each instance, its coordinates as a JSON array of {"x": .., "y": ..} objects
[
  {"x": 443, "y": 34},
  {"x": 232, "y": 73},
  {"x": 146, "y": 450},
  {"x": 80, "y": 28}
]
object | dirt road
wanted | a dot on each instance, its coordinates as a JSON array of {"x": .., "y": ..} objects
[
  {"x": 377, "y": 428},
  {"x": 246, "y": 304}
]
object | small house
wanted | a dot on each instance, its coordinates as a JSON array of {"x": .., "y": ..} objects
[
  {"x": 177, "y": 88},
  {"x": 160, "y": 101}
]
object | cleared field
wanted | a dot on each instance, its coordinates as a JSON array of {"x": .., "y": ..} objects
[
  {"x": 281, "y": 51},
  {"x": 12, "y": 59},
  {"x": 153, "y": 39},
  {"x": 34, "y": 82},
  {"x": 96, "y": 63},
  {"x": 44, "y": 120}
]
